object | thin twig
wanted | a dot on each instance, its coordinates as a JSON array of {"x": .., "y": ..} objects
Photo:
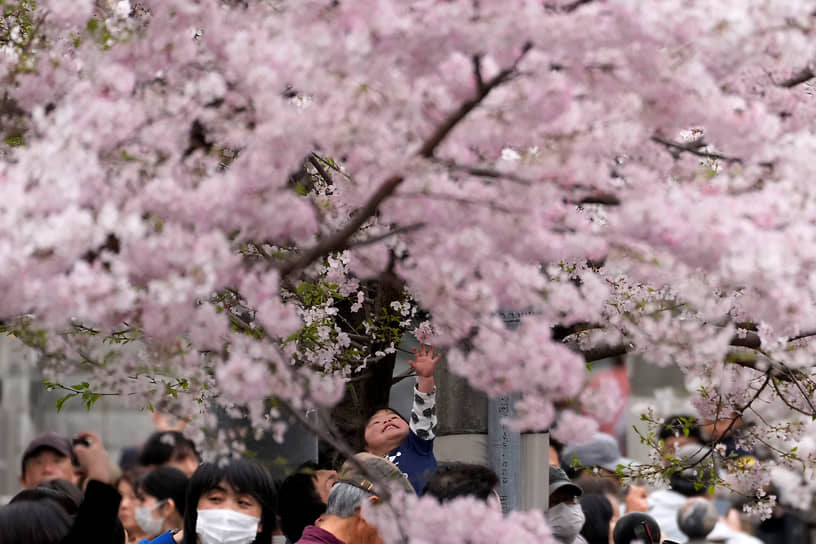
[
  {"x": 482, "y": 172},
  {"x": 477, "y": 72},
  {"x": 383, "y": 236},
  {"x": 314, "y": 160},
  {"x": 340, "y": 239},
  {"x": 693, "y": 148},
  {"x": 429, "y": 147}
]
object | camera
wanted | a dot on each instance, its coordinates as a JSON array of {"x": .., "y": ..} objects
[{"x": 77, "y": 441}]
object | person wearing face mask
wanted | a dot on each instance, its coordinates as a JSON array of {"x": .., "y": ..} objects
[
  {"x": 230, "y": 502},
  {"x": 161, "y": 495},
  {"x": 564, "y": 515}
]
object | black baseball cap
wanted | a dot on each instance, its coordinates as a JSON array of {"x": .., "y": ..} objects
[
  {"x": 49, "y": 440},
  {"x": 560, "y": 480}
]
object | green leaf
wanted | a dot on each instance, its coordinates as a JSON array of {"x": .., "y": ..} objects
[
  {"x": 90, "y": 399},
  {"x": 61, "y": 401}
]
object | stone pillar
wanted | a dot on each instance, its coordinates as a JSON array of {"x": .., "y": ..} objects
[{"x": 535, "y": 462}]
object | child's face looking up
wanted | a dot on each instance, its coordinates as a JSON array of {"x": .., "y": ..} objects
[{"x": 385, "y": 428}]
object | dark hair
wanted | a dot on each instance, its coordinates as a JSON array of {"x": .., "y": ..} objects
[
  {"x": 39, "y": 521},
  {"x": 636, "y": 526},
  {"x": 131, "y": 476},
  {"x": 597, "y": 513},
  {"x": 691, "y": 486},
  {"x": 165, "y": 483},
  {"x": 299, "y": 504},
  {"x": 244, "y": 477},
  {"x": 679, "y": 425},
  {"x": 129, "y": 458},
  {"x": 165, "y": 446},
  {"x": 63, "y": 492},
  {"x": 452, "y": 480}
]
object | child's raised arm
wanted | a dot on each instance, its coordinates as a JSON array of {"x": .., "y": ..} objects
[{"x": 423, "y": 411}]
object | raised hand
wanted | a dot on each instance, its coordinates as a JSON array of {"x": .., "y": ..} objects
[
  {"x": 424, "y": 364},
  {"x": 425, "y": 361}
]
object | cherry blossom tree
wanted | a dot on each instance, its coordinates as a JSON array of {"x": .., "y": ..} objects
[{"x": 245, "y": 203}]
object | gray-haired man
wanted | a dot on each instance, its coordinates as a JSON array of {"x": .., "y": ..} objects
[{"x": 343, "y": 522}]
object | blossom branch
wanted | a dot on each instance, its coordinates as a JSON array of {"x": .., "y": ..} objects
[{"x": 339, "y": 240}]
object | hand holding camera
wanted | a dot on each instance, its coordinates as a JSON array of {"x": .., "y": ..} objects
[{"x": 92, "y": 457}]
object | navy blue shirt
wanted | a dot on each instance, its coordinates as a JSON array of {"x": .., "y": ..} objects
[{"x": 415, "y": 458}]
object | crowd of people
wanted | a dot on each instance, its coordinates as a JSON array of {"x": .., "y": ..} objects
[{"x": 162, "y": 493}]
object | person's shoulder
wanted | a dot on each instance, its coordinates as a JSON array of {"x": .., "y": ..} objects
[
  {"x": 164, "y": 538},
  {"x": 723, "y": 533},
  {"x": 316, "y": 535}
]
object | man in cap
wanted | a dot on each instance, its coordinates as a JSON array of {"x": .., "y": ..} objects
[
  {"x": 343, "y": 522},
  {"x": 48, "y": 457},
  {"x": 564, "y": 514}
]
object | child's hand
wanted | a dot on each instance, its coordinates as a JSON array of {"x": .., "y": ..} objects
[{"x": 425, "y": 361}]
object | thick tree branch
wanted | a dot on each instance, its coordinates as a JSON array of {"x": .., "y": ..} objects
[
  {"x": 803, "y": 75},
  {"x": 569, "y": 8},
  {"x": 604, "y": 352},
  {"x": 606, "y": 199}
]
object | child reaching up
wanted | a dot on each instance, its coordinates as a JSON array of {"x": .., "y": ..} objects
[{"x": 409, "y": 445}]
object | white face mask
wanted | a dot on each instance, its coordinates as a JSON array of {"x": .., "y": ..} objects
[
  {"x": 565, "y": 521},
  {"x": 221, "y": 526},
  {"x": 147, "y": 523}
]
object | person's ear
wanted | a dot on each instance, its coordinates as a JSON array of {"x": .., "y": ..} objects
[
  {"x": 374, "y": 499},
  {"x": 169, "y": 502},
  {"x": 22, "y": 481}
]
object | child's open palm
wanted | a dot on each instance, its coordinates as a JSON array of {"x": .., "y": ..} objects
[{"x": 425, "y": 361}]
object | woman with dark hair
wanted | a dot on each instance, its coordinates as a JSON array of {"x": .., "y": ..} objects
[
  {"x": 38, "y": 521},
  {"x": 62, "y": 492},
  {"x": 599, "y": 516},
  {"x": 127, "y": 508},
  {"x": 232, "y": 501},
  {"x": 162, "y": 494}
]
